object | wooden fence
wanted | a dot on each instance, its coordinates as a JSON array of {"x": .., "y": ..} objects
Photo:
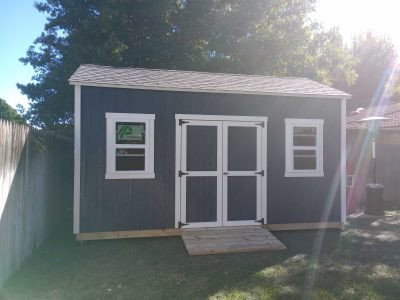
[{"x": 36, "y": 184}]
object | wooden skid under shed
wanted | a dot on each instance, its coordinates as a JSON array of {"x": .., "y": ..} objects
[{"x": 202, "y": 241}]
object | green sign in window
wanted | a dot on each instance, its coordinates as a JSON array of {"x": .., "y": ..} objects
[{"x": 130, "y": 133}]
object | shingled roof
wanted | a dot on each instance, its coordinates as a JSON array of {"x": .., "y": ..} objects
[
  {"x": 390, "y": 111},
  {"x": 174, "y": 80}
]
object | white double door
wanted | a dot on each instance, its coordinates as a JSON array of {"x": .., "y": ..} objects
[{"x": 222, "y": 172}]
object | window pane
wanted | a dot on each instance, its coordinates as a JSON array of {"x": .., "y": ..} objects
[
  {"x": 304, "y": 136},
  {"x": 130, "y": 133},
  {"x": 129, "y": 159},
  {"x": 349, "y": 180},
  {"x": 304, "y": 160}
]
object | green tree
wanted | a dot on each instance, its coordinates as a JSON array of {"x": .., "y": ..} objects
[
  {"x": 9, "y": 113},
  {"x": 377, "y": 68},
  {"x": 278, "y": 38},
  {"x": 255, "y": 37}
]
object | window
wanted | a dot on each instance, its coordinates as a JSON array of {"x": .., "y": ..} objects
[
  {"x": 130, "y": 146},
  {"x": 304, "y": 147},
  {"x": 349, "y": 181}
]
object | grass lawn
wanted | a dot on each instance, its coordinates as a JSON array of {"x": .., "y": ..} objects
[{"x": 361, "y": 262}]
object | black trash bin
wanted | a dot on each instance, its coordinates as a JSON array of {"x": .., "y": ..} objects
[{"x": 374, "y": 200}]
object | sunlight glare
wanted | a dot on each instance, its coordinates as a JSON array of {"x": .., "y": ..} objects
[{"x": 356, "y": 16}]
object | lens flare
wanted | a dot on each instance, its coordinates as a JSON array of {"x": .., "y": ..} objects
[{"x": 381, "y": 98}]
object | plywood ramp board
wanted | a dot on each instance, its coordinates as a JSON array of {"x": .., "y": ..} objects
[{"x": 203, "y": 241}]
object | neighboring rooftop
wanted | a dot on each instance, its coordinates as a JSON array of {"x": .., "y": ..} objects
[
  {"x": 174, "y": 80},
  {"x": 390, "y": 111}
]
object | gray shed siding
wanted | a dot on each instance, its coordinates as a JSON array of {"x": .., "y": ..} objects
[{"x": 130, "y": 204}]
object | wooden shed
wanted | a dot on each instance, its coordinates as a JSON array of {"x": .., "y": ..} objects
[{"x": 160, "y": 150}]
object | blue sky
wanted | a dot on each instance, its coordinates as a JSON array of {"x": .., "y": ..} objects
[{"x": 21, "y": 23}]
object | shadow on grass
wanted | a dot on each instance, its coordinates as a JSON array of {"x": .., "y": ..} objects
[{"x": 354, "y": 264}]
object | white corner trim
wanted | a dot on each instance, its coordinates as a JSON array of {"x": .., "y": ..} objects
[
  {"x": 111, "y": 146},
  {"x": 318, "y": 148},
  {"x": 343, "y": 201},
  {"x": 77, "y": 158}
]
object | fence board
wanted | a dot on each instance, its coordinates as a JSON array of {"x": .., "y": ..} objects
[{"x": 36, "y": 172}]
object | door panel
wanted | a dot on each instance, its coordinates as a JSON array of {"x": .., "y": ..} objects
[
  {"x": 242, "y": 197},
  {"x": 241, "y": 185},
  {"x": 242, "y": 145},
  {"x": 201, "y": 199},
  {"x": 201, "y": 180},
  {"x": 202, "y": 148}
]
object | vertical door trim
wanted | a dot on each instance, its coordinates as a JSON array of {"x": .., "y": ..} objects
[
  {"x": 178, "y": 136},
  {"x": 264, "y": 164}
]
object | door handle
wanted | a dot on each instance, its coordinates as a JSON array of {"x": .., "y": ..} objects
[{"x": 225, "y": 173}]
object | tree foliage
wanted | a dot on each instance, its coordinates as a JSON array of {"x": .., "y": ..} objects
[
  {"x": 9, "y": 113},
  {"x": 272, "y": 37},
  {"x": 377, "y": 68}
]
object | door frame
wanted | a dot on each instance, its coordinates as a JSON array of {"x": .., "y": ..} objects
[{"x": 178, "y": 143}]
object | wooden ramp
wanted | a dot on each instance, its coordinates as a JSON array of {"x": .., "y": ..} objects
[{"x": 202, "y": 241}]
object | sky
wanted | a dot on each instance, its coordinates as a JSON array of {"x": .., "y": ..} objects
[{"x": 22, "y": 23}]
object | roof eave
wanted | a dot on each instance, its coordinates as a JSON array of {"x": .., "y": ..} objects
[{"x": 158, "y": 88}]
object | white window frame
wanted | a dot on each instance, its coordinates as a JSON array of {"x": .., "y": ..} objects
[
  {"x": 289, "y": 170},
  {"x": 111, "y": 172}
]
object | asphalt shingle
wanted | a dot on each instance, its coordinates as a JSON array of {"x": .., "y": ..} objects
[{"x": 175, "y": 80}]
